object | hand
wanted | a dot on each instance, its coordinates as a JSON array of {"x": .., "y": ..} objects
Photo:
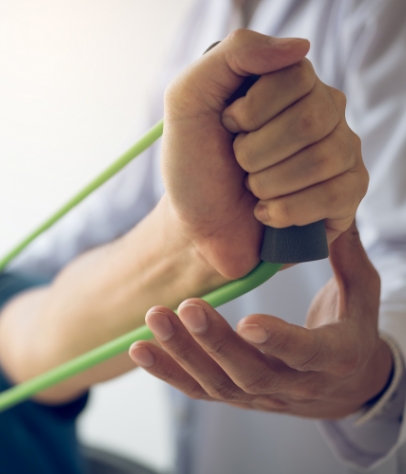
[
  {"x": 328, "y": 369},
  {"x": 206, "y": 197},
  {"x": 303, "y": 161}
]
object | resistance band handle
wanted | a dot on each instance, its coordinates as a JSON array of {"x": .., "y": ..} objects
[{"x": 294, "y": 244}]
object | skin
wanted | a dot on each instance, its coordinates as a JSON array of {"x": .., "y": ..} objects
[
  {"x": 298, "y": 149},
  {"x": 302, "y": 163},
  {"x": 202, "y": 233},
  {"x": 328, "y": 369}
]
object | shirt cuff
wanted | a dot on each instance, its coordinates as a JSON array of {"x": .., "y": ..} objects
[{"x": 367, "y": 437}]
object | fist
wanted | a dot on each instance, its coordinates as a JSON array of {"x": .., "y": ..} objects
[
  {"x": 207, "y": 199},
  {"x": 302, "y": 160}
]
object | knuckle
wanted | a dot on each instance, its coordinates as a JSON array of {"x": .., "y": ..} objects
[
  {"x": 333, "y": 200},
  {"x": 364, "y": 181},
  {"x": 261, "y": 384},
  {"x": 356, "y": 142},
  {"x": 308, "y": 122},
  {"x": 279, "y": 341},
  {"x": 219, "y": 347},
  {"x": 316, "y": 162},
  {"x": 171, "y": 94},
  {"x": 374, "y": 280},
  {"x": 238, "y": 36},
  {"x": 234, "y": 44},
  {"x": 358, "y": 162},
  {"x": 168, "y": 375},
  {"x": 280, "y": 212},
  {"x": 196, "y": 392},
  {"x": 339, "y": 98},
  {"x": 355, "y": 188},
  {"x": 170, "y": 90},
  {"x": 304, "y": 75},
  {"x": 318, "y": 118},
  {"x": 249, "y": 119},
  {"x": 308, "y": 361},
  {"x": 311, "y": 391},
  {"x": 311, "y": 357},
  {"x": 181, "y": 353},
  {"x": 338, "y": 151},
  {"x": 224, "y": 390},
  {"x": 242, "y": 154},
  {"x": 346, "y": 152},
  {"x": 258, "y": 186}
]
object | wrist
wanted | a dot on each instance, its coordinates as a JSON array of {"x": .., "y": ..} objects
[
  {"x": 198, "y": 275},
  {"x": 378, "y": 404},
  {"x": 379, "y": 372},
  {"x": 155, "y": 263},
  {"x": 107, "y": 291}
]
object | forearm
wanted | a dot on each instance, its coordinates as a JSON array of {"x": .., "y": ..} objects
[{"x": 102, "y": 295}]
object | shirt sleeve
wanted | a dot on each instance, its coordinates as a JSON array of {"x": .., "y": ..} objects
[
  {"x": 369, "y": 436},
  {"x": 106, "y": 214},
  {"x": 36, "y": 437},
  {"x": 374, "y": 34}
]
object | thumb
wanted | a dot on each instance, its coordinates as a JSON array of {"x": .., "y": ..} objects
[
  {"x": 219, "y": 72},
  {"x": 351, "y": 264}
]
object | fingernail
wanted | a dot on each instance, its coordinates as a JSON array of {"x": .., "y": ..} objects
[
  {"x": 142, "y": 356},
  {"x": 253, "y": 333},
  {"x": 160, "y": 325},
  {"x": 193, "y": 317},
  {"x": 261, "y": 213},
  {"x": 230, "y": 124},
  {"x": 285, "y": 42}
]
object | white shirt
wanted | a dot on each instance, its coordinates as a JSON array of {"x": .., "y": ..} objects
[{"x": 358, "y": 46}]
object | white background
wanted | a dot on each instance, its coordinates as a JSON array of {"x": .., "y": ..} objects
[{"x": 74, "y": 83}]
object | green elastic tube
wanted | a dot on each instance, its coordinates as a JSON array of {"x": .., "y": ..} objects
[
  {"x": 222, "y": 295},
  {"x": 145, "y": 142}
]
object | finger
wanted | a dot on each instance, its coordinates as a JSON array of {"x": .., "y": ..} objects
[
  {"x": 358, "y": 280},
  {"x": 330, "y": 157},
  {"x": 299, "y": 348},
  {"x": 158, "y": 363},
  {"x": 161, "y": 365},
  {"x": 247, "y": 367},
  {"x": 219, "y": 72},
  {"x": 306, "y": 122},
  {"x": 335, "y": 200},
  {"x": 264, "y": 403},
  {"x": 350, "y": 261},
  {"x": 179, "y": 344},
  {"x": 269, "y": 96}
]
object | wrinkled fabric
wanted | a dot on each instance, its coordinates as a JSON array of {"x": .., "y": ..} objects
[{"x": 359, "y": 47}]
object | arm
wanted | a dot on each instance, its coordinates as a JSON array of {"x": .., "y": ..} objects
[
  {"x": 101, "y": 295},
  {"x": 327, "y": 370},
  {"x": 375, "y": 88},
  {"x": 171, "y": 253}
]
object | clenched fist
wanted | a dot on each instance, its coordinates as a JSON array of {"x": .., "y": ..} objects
[
  {"x": 294, "y": 151},
  {"x": 303, "y": 161}
]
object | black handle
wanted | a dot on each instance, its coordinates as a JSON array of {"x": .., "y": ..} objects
[{"x": 294, "y": 244}]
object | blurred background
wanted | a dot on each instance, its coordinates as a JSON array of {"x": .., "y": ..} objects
[{"x": 75, "y": 79}]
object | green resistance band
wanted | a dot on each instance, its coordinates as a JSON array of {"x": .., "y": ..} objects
[{"x": 228, "y": 292}]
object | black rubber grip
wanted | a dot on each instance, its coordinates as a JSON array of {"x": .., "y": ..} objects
[{"x": 294, "y": 244}]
